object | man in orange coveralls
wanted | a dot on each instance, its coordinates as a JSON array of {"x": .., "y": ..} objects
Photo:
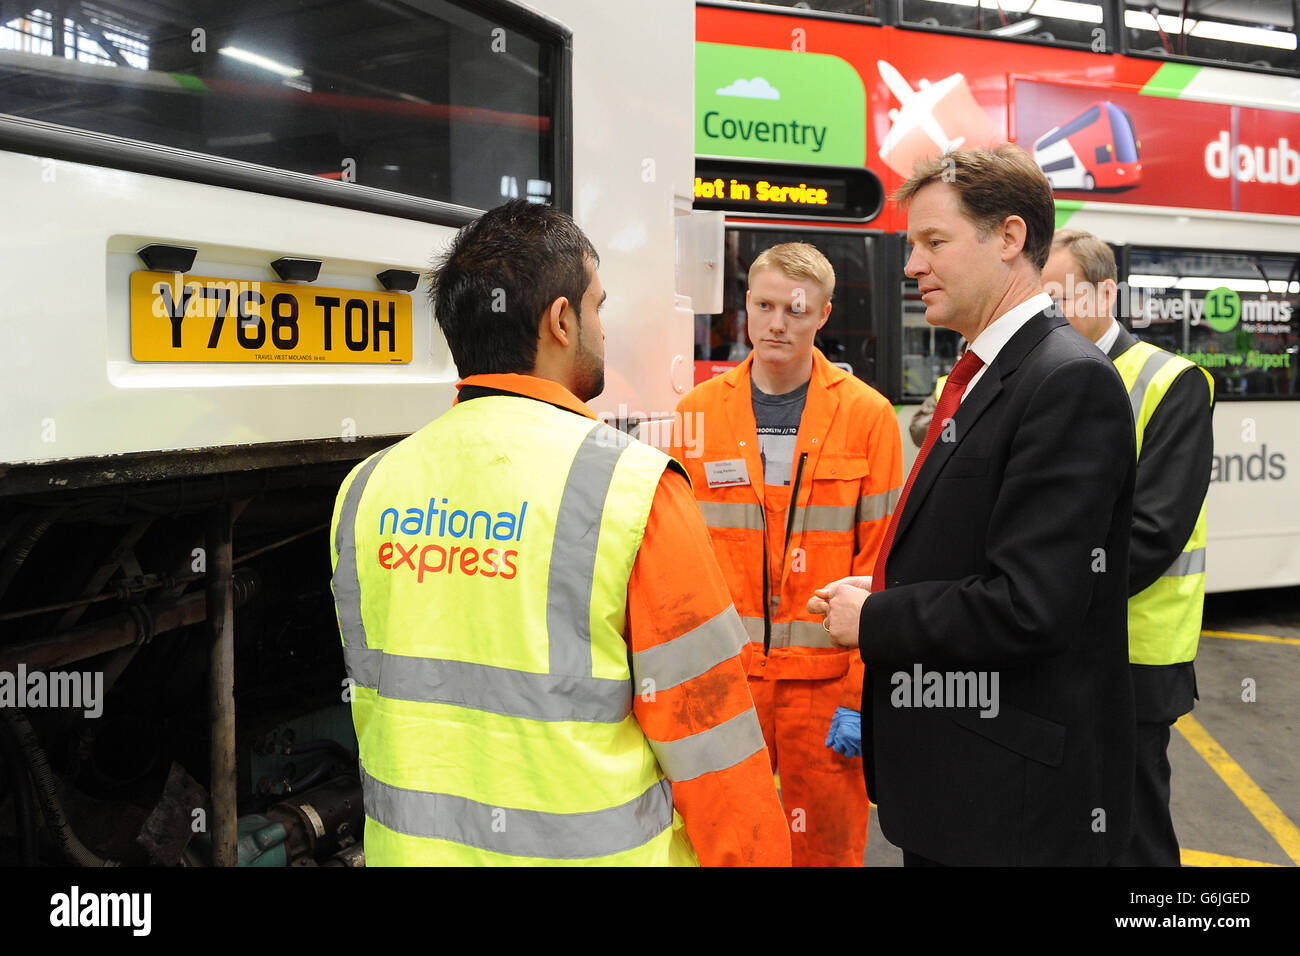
[{"x": 788, "y": 425}]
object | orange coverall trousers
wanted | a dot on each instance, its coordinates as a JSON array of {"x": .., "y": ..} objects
[{"x": 827, "y": 808}]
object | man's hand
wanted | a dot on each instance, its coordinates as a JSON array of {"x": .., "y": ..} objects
[
  {"x": 857, "y": 581},
  {"x": 840, "y": 604}
]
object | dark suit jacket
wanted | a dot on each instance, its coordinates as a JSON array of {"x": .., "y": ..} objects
[{"x": 1011, "y": 557}]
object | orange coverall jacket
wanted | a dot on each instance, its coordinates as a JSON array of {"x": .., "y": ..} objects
[{"x": 851, "y": 480}]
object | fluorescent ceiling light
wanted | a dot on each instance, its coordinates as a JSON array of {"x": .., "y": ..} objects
[
  {"x": 1151, "y": 282},
  {"x": 1068, "y": 10},
  {"x": 1020, "y": 26},
  {"x": 1206, "y": 283},
  {"x": 1279, "y": 285},
  {"x": 1211, "y": 30},
  {"x": 1232, "y": 33},
  {"x": 256, "y": 59},
  {"x": 1059, "y": 9}
]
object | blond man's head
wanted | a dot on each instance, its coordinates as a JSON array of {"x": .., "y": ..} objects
[
  {"x": 788, "y": 301},
  {"x": 798, "y": 260}
]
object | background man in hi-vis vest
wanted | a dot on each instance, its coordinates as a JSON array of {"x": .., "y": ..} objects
[
  {"x": 543, "y": 647},
  {"x": 1172, "y": 403}
]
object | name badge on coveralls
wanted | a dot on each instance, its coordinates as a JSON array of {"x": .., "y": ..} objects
[{"x": 722, "y": 474}]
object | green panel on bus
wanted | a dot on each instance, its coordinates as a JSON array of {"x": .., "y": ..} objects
[{"x": 753, "y": 103}]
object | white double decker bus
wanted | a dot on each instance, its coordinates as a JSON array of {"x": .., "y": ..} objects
[{"x": 217, "y": 219}]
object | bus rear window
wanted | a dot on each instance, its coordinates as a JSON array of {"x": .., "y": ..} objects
[
  {"x": 1260, "y": 35},
  {"x": 425, "y": 99},
  {"x": 856, "y": 8},
  {"x": 1076, "y": 23},
  {"x": 1235, "y": 314}
]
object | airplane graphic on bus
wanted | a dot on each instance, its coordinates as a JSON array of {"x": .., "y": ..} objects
[{"x": 1098, "y": 149}]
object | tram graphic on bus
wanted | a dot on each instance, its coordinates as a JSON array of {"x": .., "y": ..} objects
[{"x": 1098, "y": 149}]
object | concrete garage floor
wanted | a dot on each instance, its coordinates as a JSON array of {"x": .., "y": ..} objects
[{"x": 1242, "y": 807}]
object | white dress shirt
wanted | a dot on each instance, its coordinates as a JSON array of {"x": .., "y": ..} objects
[
  {"x": 989, "y": 343},
  {"x": 1108, "y": 337}
]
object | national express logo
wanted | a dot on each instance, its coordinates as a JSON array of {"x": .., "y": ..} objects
[{"x": 447, "y": 558}]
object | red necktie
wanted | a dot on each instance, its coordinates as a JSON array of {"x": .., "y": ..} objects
[{"x": 949, "y": 399}]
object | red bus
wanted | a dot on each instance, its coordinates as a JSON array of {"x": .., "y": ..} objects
[{"x": 1163, "y": 135}]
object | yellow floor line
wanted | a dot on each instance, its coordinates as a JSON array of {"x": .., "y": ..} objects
[
  {"x": 1201, "y": 858},
  {"x": 1248, "y": 792},
  {"x": 1265, "y": 638}
]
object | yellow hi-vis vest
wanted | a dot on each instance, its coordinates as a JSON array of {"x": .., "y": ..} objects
[
  {"x": 480, "y": 578},
  {"x": 1164, "y": 621}
]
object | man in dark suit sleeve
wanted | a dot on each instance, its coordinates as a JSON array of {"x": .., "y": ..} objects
[{"x": 999, "y": 700}]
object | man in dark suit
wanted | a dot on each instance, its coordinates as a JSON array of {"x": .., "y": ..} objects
[{"x": 995, "y": 639}]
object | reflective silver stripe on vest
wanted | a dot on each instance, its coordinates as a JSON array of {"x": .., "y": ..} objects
[
  {"x": 500, "y": 690},
  {"x": 1137, "y": 393},
  {"x": 552, "y": 836},
  {"x": 717, "y": 748},
  {"x": 573, "y": 551},
  {"x": 732, "y": 514},
  {"x": 789, "y": 633},
  {"x": 749, "y": 517},
  {"x": 874, "y": 507},
  {"x": 347, "y": 586},
  {"x": 692, "y": 654},
  {"x": 362, "y": 663},
  {"x": 1189, "y": 562},
  {"x": 828, "y": 517}
]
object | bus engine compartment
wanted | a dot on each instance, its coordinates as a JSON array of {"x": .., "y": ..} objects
[{"x": 121, "y": 654}]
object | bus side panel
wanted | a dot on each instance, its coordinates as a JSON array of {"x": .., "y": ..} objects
[
  {"x": 69, "y": 385},
  {"x": 635, "y": 61},
  {"x": 1252, "y": 523}
]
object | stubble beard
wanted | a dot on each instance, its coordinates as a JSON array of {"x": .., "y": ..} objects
[{"x": 589, "y": 373}]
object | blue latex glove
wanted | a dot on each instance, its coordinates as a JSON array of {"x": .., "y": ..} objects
[{"x": 845, "y": 735}]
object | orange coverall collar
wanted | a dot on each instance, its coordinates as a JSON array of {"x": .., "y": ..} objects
[
  {"x": 530, "y": 386},
  {"x": 823, "y": 372}
]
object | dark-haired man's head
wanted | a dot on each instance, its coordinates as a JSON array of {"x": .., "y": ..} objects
[
  {"x": 518, "y": 291},
  {"x": 980, "y": 222}
]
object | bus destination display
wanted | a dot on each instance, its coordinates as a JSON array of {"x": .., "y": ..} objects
[{"x": 788, "y": 190}]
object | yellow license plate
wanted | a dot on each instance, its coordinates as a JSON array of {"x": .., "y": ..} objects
[{"x": 187, "y": 318}]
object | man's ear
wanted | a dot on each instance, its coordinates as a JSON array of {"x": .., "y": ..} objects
[
  {"x": 556, "y": 323},
  {"x": 826, "y": 314},
  {"x": 1012, "y": 234},
  {"x": 1110, "y": 295}
]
